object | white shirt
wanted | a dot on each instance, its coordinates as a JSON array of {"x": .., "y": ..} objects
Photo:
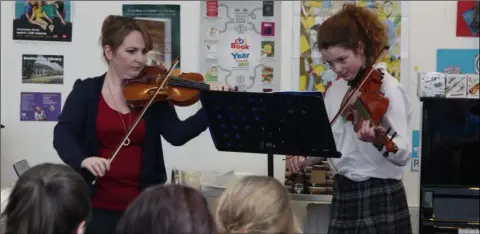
[{"x": 361, "y": 160}]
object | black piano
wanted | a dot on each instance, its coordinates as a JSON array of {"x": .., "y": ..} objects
[{"x": 450, "y": 165}]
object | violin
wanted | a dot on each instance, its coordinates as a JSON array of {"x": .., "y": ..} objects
[
  {"x": 156, "y": 84},
  {"x": 365, "y": 97},
  {"x": 181, "y": 89}
]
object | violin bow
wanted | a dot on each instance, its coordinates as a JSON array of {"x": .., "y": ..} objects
[
  {"x": 354, "y": 92},
  {"x": 142, "y": 112}
]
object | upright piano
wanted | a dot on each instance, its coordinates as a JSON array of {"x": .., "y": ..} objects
[{"x": 450, "y": 166}]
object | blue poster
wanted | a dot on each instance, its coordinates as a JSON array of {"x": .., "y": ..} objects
[
  {"x": 415, "y": 161},
  {"x": 36, "y": 106},
  {"x": 458, "y": 61}
]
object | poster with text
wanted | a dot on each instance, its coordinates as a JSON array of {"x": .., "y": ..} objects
[
  {"x": 468, "y": 18},
  {"x": 48, "y": 20},
  {"x": 458, "y": 61},
  {"x": 157, "y": 55},
  {"x": 42, "y": 69},
  {"x": 315, "y": 74},
  {"x": 36, "y": 106},
  {"x": 239, "y": 44},
  {"x": 163, "y": 22}
]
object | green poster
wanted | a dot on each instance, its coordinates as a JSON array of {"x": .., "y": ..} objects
[{"x": 170, "y": 16}]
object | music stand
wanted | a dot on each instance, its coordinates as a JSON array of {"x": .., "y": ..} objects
[{"x": 288, "y": 123}]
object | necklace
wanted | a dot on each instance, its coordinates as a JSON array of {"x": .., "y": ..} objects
[{"x": 127, "y": 141}]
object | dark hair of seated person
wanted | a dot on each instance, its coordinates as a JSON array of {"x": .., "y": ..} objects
[
  {"x": 48, "y": 198},
  {"x": 167, "y": 209}
]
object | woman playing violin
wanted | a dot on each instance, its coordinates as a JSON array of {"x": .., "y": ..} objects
[
  {"x": 96, "y": 118},
  {"x": 368, "y": 193}
]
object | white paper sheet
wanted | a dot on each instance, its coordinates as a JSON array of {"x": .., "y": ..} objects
[{"x": 468, "y": 231}]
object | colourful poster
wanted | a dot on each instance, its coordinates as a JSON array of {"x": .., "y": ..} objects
[
  {"x": 315, "y": 75},
  {"x": 458, "y": 61},
  {"x": 237, "y": 44},
  {"x": 42, "y": 69},
  {"x": 468, "y": 18},
  {"x": 164, "y": 24},
  {"x": 35, "y": 106},
  {"x": 48, "y": 20}
]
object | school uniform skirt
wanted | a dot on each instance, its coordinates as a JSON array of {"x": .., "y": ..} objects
[{"x": 374, "y": 206}]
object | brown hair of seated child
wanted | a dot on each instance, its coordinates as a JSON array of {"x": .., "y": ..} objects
[
  {"x": 167, "y": 209},
  {"x": 48, "y": 198}
]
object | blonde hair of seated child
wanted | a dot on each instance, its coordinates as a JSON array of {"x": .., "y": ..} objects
[{"x": 256, "y": 204}]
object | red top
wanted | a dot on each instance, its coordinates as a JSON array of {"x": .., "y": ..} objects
[{"x": 120, "y": 185}]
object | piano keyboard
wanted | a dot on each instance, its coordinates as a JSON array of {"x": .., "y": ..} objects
[{"x": 468, "y": 231}]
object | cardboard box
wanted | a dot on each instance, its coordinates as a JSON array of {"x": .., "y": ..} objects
[
  {"x": 318, "y": 177},
  {"x": 473, "y": 86},
  {"x": 431, "y": 84},
  {"x": 456, "y": 86}
]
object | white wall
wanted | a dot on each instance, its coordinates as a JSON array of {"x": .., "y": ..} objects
[{"x": 431, "y": 26}]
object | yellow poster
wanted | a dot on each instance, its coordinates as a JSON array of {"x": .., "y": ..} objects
[{"x": 315, "y": 75}]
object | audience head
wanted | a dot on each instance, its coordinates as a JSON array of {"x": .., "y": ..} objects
[
  {"x": 350, "y": 39},
  {"x": 48, "y": 198},
  {"x": 256, "y": 204},
  {"x": 125, "y": 43},
  {"x": 167, "y": 209}
]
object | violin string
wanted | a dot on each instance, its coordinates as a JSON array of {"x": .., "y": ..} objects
[
  {"x": 178, "y": 80},
  {"x": 187, "y": 83},
  {"x": 195, "y": 83},
  {"x": 173, "y": 82}
]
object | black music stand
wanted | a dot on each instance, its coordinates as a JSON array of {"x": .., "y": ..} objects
[{"x": 289, "y": 123}]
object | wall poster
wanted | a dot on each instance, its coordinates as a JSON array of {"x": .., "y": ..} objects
[
  {"x": 163, "y": 21},
  {"x": 458, "y": 61},
  {"x": 35, "y": 106},
  {"x": 315, "y": 75},
  {"x": 239, "y": 44},
  {"x": 48, "y": 20},
  {"x": 468, "y": 18},
  {"x": 42, "y": 69}
]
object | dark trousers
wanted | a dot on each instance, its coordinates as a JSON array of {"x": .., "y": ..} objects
[{"x": 103, "y": 221}]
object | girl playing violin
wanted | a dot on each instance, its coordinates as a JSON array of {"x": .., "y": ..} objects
[
  {"x": 96, "y": 118},
  {"x": 368, "y": 194}
]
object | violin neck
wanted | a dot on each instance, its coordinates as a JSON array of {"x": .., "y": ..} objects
[
  {"x": 179, "y": 82},
  {"x": 366, "y": 115},
  {"x": 361, "y": 109}
]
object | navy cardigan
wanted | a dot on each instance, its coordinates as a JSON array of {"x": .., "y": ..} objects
[{"x": 74, "y": 136}]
